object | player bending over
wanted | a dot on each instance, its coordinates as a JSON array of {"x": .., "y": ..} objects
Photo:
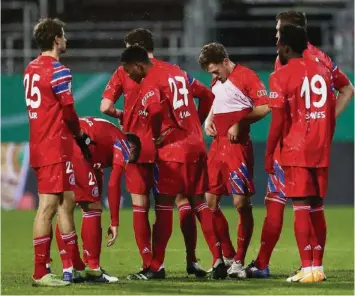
[
  {"x": 303, "y": 106},
  {"x": 140, "y": 176},
  {"x": 237, "y": 90},
  {"x": 53, "y": 123},
  {"x": 181, "y": 161},
  {"x": 112, "y": 149},
  {"x": 275, "y": 199}
]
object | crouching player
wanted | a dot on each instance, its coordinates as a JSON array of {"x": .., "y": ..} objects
[
  {"x": 112, "y": 149},
  {"x": 303, "y": 103}
]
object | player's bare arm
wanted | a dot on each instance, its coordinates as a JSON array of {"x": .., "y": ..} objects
[
  {"x": 345, "y": 95},
  {"x": 108, "y": 107},
  {"x": 210, "y": 127}
]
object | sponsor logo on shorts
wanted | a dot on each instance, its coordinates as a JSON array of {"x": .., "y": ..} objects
[
  {"x": 72, "y": 179},
  {"x": 95, "y": 191}
]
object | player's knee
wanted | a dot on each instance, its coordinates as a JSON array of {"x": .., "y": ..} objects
[
  {"x": 315, "y": 201},
  {"x": 181, "y": 200},
  {"x": 141, "y": 200},
  {"x": 240, "y": 202},
  {"x": 88, "y": 206},
  {"x": 164, "y": 200},
  {"x": 47, "y": 211},
  {"x": 212, "y": 201}
]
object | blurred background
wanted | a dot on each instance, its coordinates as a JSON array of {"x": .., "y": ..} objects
[{"x": 95, "y": 31}]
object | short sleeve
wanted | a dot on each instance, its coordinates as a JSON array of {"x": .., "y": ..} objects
[
  {"x": 256, "y": 90},
  {"x": 114, "y": 87},
  {"x": 276, "y": 94},
  {"x": 61, "y": 83},
  {"x": 339, "y": 78},
  {"x": 121, "y": 152}
]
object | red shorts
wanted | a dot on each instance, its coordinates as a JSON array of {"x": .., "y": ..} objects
[
  {"x": 305, "y": 182},
  {"x": 139, "y": 177},
  {"x": 88, "y": 181},
  {"x": 55, "y": 178},
  {"x": 230, "y": 168},
  {"x": 172, "y": 178}
]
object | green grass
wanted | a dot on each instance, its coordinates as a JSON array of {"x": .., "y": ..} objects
[{"x": 123, "y": 258}]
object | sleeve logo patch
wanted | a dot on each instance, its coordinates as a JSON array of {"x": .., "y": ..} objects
[{"x": 273, "y": 95}]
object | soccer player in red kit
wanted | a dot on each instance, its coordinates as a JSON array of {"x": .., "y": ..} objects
[
  {"x": 303, "y": 105},
  {"x": 112, "y": 149},
  {"x": 53, "y": 123},
  {"x": 275, "y": 199},
  {"x": 139, "y": 176},
  {"x": 181, "y": 154},
  {"x": 237, "y": 91}
]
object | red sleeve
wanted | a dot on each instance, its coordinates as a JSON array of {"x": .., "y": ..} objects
[
  {"x": 276, "y": 94},
  {"x": 339, "y": 78},
  {"x": 114, "y": 193},
  {"x": 71, "y": 119},
  {"x": 114, "y": 87},
  {"x": 206, "y": 97},
  {"x": 275, "y": 132},
  {"x": 255, "y": 88},
  {"x": 61, "y": 83}
]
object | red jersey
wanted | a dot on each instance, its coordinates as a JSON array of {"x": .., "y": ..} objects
[
  {"x": 339, "y": 78},
  {"x": 304, "y": 89},
  {"x": 234, "y": 98},
  {"x": 184, "y": 139},
  {"x": 111, "y": 144},
  {"x": 47, "y": 86},
  {"x": 135, "y": 116}
]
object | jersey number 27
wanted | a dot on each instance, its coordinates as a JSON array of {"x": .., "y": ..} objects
[{"x": 177, "y": 92}]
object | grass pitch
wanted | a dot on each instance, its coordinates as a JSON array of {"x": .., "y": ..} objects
[{"x": 123, "y": 258}]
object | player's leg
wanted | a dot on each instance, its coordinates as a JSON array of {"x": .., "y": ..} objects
[
  {"x": 195, "y": 180},
  {"x": 50, "y": 194},
  {"x": 299, "y": 186},
  {"x": 216, "y": 188},
  {"x": 319, "y": 223},
  {"x": 275, "y": 202},
  {"x": 139, "y": 181},
  {"x": 189, "y": 231}
]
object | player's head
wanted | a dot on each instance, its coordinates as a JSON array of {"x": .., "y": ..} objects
[
  {"x": 290, "y": 17},
  {"x": 142, "y": 37},
  {"x": 214, "y": 59},
  {"x": 135, "y": 62},
  {"x": 292, "y": 42},
  {"x": 134, "y": 147},
  {"x": 49, "y": 35}
]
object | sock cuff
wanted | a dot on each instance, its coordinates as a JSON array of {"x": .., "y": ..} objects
[
  {"x": 41, "y": 240},
  {"x": 142, "y": 209},
  {"x": 164, "y": 207},
  {"x": 92, "y": 213},
  {"x": 317, "y": 208},
  {"x": 201, "y": 206},
  {"x": 69, "y": 236},
  {"x": 301, "y": 207},
  {"x": 184, "y": 207}
]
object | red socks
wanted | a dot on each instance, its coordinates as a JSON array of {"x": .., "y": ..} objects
[
  {"x": 42, "y": 246},
  {"x": 222, "y": 230},
  {"x": 62, "y": 248},
  {"x": 206, "y": 218},
  {"x": 162, "y": 230},
  {"x": 91, "y": 233},
  {"x": 302, "y": 227},
  {"x": 189, "y": 231},
  {"x": 245, "y": 231},
  {"x": 271, "y": 231},
  {"x": 142, "y": 233},
  {"x": 320, "y": 230}
]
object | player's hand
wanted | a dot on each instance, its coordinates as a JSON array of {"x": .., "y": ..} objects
[
  {"x": 210, "y": 128},
  {"x": 269, "y": 163},
  {"x": 84, "y": 141},
  {"x": 119, "y": 114},
  {"x": 233, "y": 133},
  {"x": 112, "y": 233}
]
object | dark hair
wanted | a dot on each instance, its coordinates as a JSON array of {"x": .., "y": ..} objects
[
  {"x": 136, "y": 142},
  {"x": 45, "y": 32},
  {"x": 142, "y": 37},
  {"x": 212, "y": 53},
  {"x": 294, "y": 37},
  {"x": 292, "y": 17},
  {"x": 135, "y": 54}
]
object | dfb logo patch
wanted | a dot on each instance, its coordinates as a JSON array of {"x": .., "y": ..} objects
[
  {"x": 95, "y": 191},
  {"x": 72, "y": 179}
]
